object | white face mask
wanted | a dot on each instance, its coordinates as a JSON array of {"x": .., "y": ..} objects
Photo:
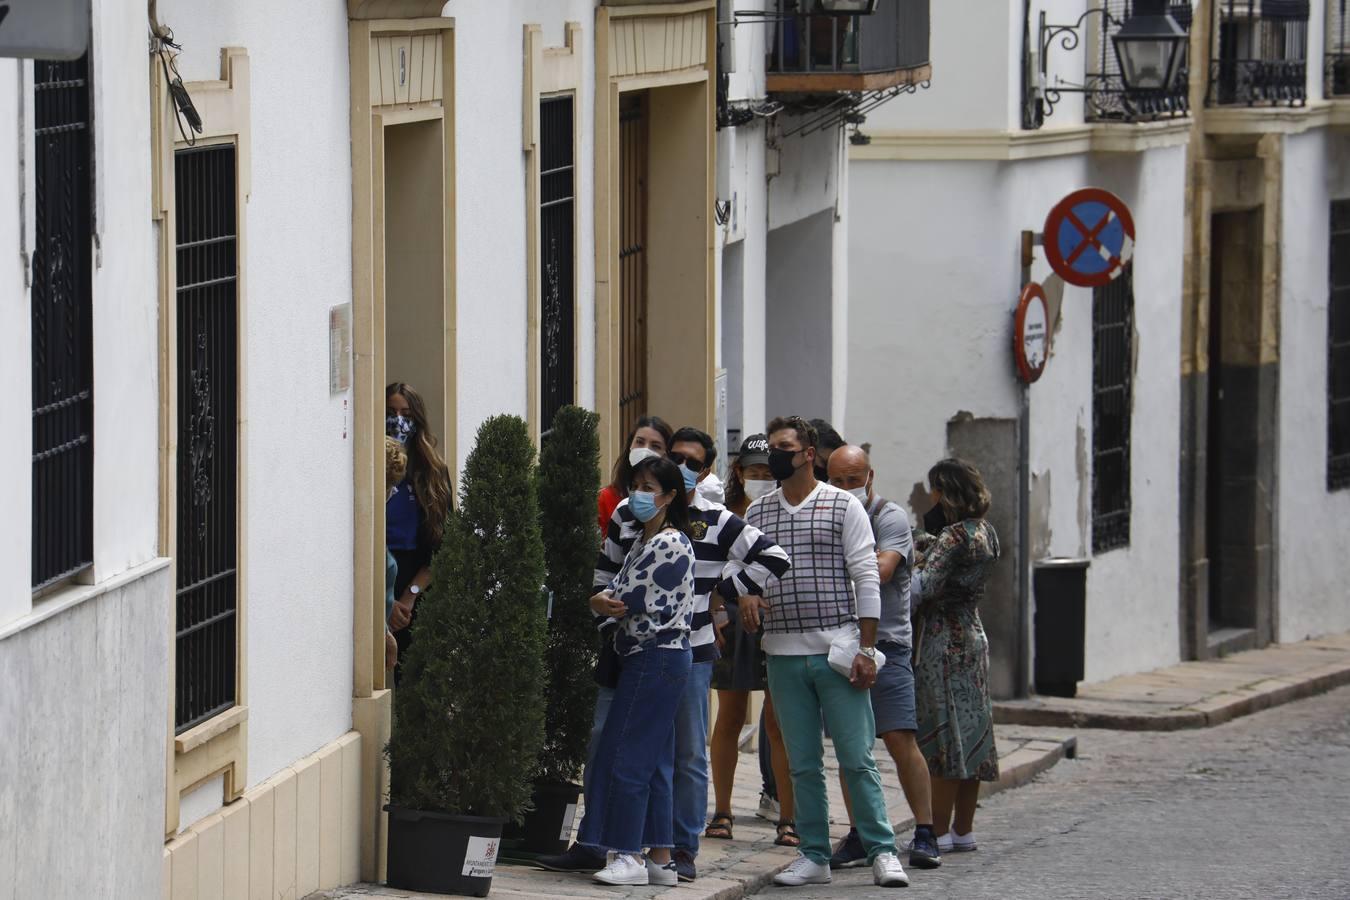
[
  {"x": 756, "y": 488},
  {"x": 638, "y": 454},
  {"x": 861, "y": 494}
]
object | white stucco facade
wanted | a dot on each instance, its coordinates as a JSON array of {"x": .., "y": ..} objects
[{"x": 1313, "y": 595}]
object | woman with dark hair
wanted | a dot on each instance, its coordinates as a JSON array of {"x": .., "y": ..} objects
[
  {"x": 629, "y": 784},
  {"x": 650, "y": 437},
  {"x": 415, "y": 512},
  {"x": 956, "y": 718}
]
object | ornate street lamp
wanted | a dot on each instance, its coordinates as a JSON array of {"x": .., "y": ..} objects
[{"x": 1150, "y": 47}]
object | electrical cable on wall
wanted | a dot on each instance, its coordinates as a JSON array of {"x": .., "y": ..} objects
[{"x": 162, "y": 42}]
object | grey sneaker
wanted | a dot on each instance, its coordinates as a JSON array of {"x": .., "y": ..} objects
[{"x": 684, "y": 865}]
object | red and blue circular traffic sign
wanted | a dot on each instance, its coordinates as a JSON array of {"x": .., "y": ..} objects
[{"x": 1089, "y": 237}]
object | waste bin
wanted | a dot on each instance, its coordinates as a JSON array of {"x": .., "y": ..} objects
[{"x": 1060, "y": 588}]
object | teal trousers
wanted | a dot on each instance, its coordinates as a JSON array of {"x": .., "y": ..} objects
[{"x": 803, "y": 687}]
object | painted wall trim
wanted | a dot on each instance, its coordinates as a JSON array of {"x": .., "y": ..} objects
[
  {"x": 997, "y": 145},
  {"x": 73, "y": 595},
  {"x": 1276, "y": 119},
  {"x": 224, "y": 106},
  {"x": 394, "y": 9}
]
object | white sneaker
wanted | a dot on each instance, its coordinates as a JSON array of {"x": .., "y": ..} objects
[
  {"x": 768, "y": 808},
  {"x": 951, "y": 842},
  {"x": 623, "y": 868},
  {"x": 887, "y": 871},
  {"x": 803, "y": 871},
  {"x": 664, "y": 875}
]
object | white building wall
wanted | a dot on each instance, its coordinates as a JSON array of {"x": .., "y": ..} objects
[
  {"x": 490, "y": 162},
  {"x": 1312, "y": 590},
  {"x": 16, "y": 403},
  {"x": 298, "y": 571},
  {"x": 935, "y": 273},
  {"x": 85, "y": 701}
]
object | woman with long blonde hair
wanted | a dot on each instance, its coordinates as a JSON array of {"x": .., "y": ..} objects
[{"x": 416, "y": 510}]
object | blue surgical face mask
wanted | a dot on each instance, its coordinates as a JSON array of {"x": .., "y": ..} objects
[
  {"x": 400, "y": 428},
  {"x": 643, "y": 505},
  {"x": 690, "y": 478}
]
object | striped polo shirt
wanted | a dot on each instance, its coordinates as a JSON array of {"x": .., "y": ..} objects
[{"x": 729, "y": 554}]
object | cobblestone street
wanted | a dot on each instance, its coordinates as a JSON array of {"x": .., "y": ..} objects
[{"x": 1255, "y": 808}]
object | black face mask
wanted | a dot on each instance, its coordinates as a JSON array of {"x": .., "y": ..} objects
[
  {"x": 780, "y": 463},
  {"x": 935, "y": 519}
]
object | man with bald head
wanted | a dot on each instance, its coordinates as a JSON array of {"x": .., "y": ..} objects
[{"x": 893, "y": 693}]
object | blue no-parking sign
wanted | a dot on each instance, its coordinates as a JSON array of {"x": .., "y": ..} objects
[{"x": 1089, "y": 237}]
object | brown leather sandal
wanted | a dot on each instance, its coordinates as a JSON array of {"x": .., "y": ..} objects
[
  {"x": 720, "y": 827},
  {"x": 787, "y": 835}
]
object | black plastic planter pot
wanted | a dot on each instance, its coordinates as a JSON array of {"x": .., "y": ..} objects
[
  {"x": 440, "y": 853},
  {"x": 547, "y": 828}
]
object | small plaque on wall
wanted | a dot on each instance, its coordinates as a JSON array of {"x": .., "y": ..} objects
[{"x": 340, "y": 349}]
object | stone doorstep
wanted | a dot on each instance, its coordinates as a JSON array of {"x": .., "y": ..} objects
[
  {"x": 753, "y": 862},
  {"x": 1237, "y": 686}
]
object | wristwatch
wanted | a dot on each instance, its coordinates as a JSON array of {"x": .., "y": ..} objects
[
  {"x": 869, "y": 652},
  {"x": 415, "y": 591}
]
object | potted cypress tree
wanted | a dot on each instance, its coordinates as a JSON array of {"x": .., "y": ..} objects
[
  {"x": 469, "y": 711},
  {"x": 569, "y": 479}
]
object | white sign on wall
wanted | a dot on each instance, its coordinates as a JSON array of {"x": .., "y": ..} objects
[
  {"x": 340, "y": 348},
  {"x": 44, "y": 29}
]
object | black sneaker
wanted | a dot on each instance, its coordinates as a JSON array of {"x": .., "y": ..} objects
[
  {"x": 577, "y": 858},
  {"x": 684, "y": 865},
  {"x": 850, "y": 853},
  {"x": 923, "y": 850}
]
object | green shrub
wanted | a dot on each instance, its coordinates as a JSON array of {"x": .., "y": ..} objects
[
  {"x": 469, "y": 712},
  {"x": 569, "y": 479}
]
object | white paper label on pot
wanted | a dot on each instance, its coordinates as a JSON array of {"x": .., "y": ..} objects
[
  {"x": 569, "y": 816},
  {"x": 480, "y": 859}
]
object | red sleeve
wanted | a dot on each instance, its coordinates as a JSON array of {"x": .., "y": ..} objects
[{"x": 607, "y": 503}]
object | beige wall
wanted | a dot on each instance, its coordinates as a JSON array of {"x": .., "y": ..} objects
[
  {"x": 414, "y": 273},
  {"x": 296, "y": 833},
  {"x": 664, "y": 49},
  {"x": 680, "y": 311}
]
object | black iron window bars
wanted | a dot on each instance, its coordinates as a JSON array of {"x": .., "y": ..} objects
[
  {"x": 62, "y": 310},
  {"x": 1259, "y": 53}
]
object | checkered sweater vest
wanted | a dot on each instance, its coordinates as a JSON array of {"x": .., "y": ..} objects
[{"x": 813, "y": 601}]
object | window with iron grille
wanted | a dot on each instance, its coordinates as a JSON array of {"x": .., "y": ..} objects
[
  {"x": 1338, "y": 353},
  {"x": 1106, "y": 98},
  {"x": 1112, "y": 401},
  {"x": 557, "y": 245},
  {"x": 1260, "y": 52},
  {"x": 1337, "y": 70},
  {"x": 206, "y": 555},
  {"x": 62, "y": 299}
]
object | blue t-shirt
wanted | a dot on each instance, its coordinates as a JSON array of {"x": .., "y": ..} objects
[{"x": 402, "y": 517}]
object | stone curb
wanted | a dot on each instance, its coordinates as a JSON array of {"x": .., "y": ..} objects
[{"x": 1215, "y": 710}]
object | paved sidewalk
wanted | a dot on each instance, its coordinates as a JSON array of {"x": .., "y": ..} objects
[
  {"x": 1194, "y": 694},
  {"x": 729, "y": 870}
]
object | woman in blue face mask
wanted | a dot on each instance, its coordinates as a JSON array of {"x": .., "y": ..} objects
[
  {"x": 415, "y": 511},
  {"x": 629, "y": 792}
]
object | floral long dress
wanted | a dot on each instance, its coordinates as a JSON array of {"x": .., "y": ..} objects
[{"x": 951, "y": 671}]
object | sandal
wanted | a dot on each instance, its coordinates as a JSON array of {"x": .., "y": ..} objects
[
  {"x": 787, "y": 835},
  {"x": 720, "y": 827}
]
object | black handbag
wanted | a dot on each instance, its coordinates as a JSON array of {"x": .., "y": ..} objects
[{"x": 609, "y": 662}]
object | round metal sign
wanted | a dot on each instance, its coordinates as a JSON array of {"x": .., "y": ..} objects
[
  {"x": 1031, "y": 333},
  {"x": 1089, "y": 237}
]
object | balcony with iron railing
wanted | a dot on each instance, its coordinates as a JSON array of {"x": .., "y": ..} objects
[
  {"x": 1260, "y": 53},
  {"x": 1106, "y": 98},
  {"x": 1337, "y": 68},
  {"x": 821, "y": 53}
]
